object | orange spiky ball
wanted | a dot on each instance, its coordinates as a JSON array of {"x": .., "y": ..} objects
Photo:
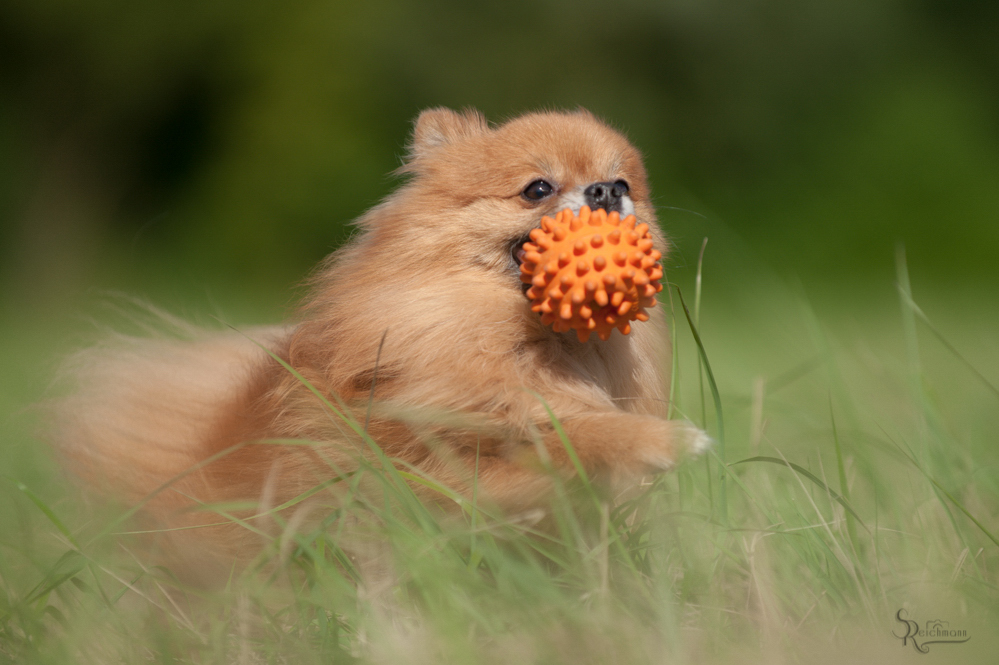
[{"x": 591, "y": 272}]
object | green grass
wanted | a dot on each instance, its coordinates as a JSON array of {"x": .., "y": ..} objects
[{"x": 859, "y": 476}]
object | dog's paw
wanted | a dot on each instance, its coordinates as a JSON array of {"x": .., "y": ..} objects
[
  {"x": 692, "y": 441},
  {"x": 681, "y": 439}
]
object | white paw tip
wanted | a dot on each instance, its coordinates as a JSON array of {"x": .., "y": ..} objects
[{"x": 700, "y": 442}]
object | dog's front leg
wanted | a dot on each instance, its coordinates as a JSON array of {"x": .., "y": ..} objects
[{"x": 621, "y": 445}]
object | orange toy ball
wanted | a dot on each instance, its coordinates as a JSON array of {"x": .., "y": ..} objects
[{"x": 591, "y": 272}]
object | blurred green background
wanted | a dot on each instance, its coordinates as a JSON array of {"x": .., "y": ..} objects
[{"x": 169, "y": 148}]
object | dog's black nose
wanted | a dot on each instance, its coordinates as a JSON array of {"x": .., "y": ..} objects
[{"x": 606, "y": 195}]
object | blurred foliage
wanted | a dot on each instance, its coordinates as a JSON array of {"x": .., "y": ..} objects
[{"x": 241, "y": 138}]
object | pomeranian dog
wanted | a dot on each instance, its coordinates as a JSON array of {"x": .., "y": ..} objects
[{"x": 418, "y": 333}]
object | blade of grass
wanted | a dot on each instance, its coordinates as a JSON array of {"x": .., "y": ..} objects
[
  {"x": 918, "y": 312},
  {"x": 738, "y": 481},
  {"x": 615, "y": 535},
  {"x": 912, "y": 346},
  {"x": 800, "y": 371},
  {"x": 851, "y": 528},
  {"x": 566, "y": 516},
  {"x": 950, "y": 497},
  {"x": 700, "y": 365},
  {"x": 42, "y": 506},
  {"x": 674, "y": 363},
  {"x": 474, "y": 556},
  {"x": 68, "y": 565},
  {"x": 681, "y": 476},
  {"x": 812, "y": 477},
  {"x": 697, "y": 322},
  {"x": 722, "y": 498}
]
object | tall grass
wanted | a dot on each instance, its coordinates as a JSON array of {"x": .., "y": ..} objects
[{"x": 858, "y": 479}]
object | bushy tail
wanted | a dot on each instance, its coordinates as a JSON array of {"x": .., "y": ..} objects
[{"x": 142, "y": 412}]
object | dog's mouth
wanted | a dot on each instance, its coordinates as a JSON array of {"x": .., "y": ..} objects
[{"x": 517, "y": 253}]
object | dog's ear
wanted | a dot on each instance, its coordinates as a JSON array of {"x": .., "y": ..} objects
[{"x": 440, "y": 126}]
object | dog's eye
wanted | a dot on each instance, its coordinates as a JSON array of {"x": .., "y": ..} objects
[
  {"x": 621, "y": 187},
  {"x": 537, "y": 190}
]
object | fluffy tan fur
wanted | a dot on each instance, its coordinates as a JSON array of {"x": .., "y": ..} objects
[{"x": 432, "y": 272}]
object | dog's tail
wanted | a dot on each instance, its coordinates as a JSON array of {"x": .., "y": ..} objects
[{"x": 141, "y": 415}]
